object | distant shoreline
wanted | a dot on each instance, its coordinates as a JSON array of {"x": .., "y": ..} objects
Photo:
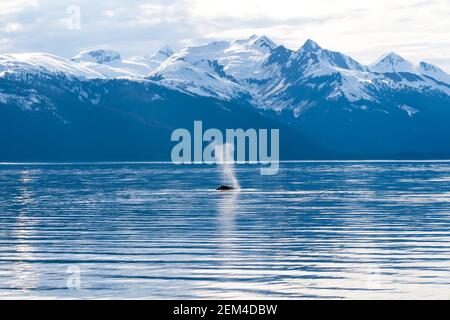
[{"x": 196, "y": 164}]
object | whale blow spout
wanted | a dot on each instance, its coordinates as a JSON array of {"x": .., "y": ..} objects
[
  {"x": 225, "y": 188},
  {"x": 225, "y": 159}
]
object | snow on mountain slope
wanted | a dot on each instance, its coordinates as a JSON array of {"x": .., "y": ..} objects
[
  {"x": 391, "y": 63},
  {"x": 202, "y": 78},
  {"x": 33, "y": 62},
  {"x": 110, "y": 64},
  {"x": 97, "y": 56},
  {"x": 241, "y": 59},
  {"x": 434, "y": 72},
  {"x": 395, "y": 72},
  {"x": 334, "y": 75},
  {"x": 270, "y": 76},
  {"x": 119, "y": 69},
  {"x": 329, "y": 61},
  {"x": 312, "y": 68},
  {"x": 215, "y": 68},
  {"x": 245, "y": 59},
  {"x": 87, "y": 64},
  {"x": 155, "y": 60}
]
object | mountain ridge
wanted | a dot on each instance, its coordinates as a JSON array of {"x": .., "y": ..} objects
[
  {"x": 389, "y": 107},
  {"x": 243, "y": 62}
]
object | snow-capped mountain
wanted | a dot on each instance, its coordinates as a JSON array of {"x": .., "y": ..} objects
[
  {"x": 97, "y": 56},
  {"x": 329, "y": 60},
  {"x": 218, "y": 68},
  {"x": 90, "y": 64},
  {"x": 391, "y": 63},
  {"x": 254, "y": 67},
  {"x": 110, "y": 64},
  {"x": 434, "y": 72},
  {"x": 26, "y": 63},
  {"x": 387, "y": 107},
  {"x": 275, "y": 76},
  {"x": 154, "y": 61}
]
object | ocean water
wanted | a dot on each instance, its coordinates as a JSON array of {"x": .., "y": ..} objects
[{"x": 316, "y": 230}]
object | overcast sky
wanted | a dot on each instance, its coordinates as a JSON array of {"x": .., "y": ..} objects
[{"x": 416, "y": 29}]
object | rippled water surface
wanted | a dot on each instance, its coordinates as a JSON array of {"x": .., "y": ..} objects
[{"x": 315, "y": 230}]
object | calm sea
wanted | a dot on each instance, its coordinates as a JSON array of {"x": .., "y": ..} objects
[{"x": 316, "y": 230}]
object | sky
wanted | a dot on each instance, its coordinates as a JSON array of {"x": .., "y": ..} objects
[{"x": 415, "y": 29}]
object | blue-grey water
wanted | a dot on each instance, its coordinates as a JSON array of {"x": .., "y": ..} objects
[{"x": 316, "y": 230}]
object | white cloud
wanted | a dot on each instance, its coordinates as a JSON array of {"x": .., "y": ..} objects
[
  {"x": 12, "y": 27},
  {"x": 416, "y": 29},
  {"x": 8, "y": 7},
  {"x": 5, "y": 44}
]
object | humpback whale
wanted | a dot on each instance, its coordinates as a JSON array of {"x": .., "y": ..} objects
[{"x": 225, "y": 188}]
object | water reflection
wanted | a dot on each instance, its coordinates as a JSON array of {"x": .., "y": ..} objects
[
  {"x": 228, "y": 207},
  {"x": 25, "y": 275},
  {"x": 228, "y": 252},
  {"x": 316, "y": 230}
]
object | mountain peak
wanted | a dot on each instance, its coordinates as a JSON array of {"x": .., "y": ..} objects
[
  {"x": 391, "y": 62},
  {"x": 425, "y": 66},
  {"x": 310, "y": 46},
  {"x": 161, "y": 55},
  {"x": 392, "y": 57},
  {"x": 434, "y": 72},
  {"x": 166, "y": 51},
  {"x": 97, "y": 55},
  {"x": 261, "y": 41}
]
